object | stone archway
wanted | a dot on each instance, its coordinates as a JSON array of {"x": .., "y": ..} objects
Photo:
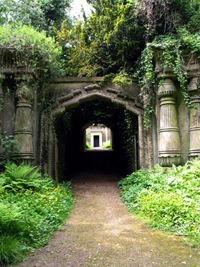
[
  {"x": 69, "y": 96},
  {"x": 173, "y": 136}
]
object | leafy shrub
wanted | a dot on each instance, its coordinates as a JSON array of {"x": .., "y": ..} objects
[
  {"x": 107, "y": 144},
  {"x": 30, "y": 210},
  {"x": 42, "y": 52},
  {"x": 87, "y": 146},
  {"x": 169, "y": 200}
]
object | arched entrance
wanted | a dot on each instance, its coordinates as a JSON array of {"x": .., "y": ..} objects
[
  {"x": 72, "y": 112},
  {"x": 70, "y": 131}
]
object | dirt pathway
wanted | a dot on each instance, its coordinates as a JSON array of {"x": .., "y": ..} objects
[{"x": 100, "y": 232}]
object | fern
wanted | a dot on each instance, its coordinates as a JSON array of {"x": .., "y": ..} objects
[
  {"x": 10, "y": 249},
  {"x": 2, "y": 184},
  {"x": 23, "y": 176}
]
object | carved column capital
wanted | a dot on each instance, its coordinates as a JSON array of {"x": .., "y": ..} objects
[
  {"x": 167, "y": 88},
  {"x": 193, "y": 86},
  {"x": 24, "y": 90}
]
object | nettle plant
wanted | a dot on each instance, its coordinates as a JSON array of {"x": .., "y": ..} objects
[{"x": 171, "y": 55}]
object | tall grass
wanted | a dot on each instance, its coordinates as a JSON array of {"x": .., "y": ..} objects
[
  {"x": 169, "y": 200},
  {"x": 31, "y": 209}
]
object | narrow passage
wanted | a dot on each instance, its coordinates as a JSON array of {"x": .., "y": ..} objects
[{"x": 100, "y": 232}]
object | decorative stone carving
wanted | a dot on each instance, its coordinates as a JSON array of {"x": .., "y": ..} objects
[
  {"x": 169, "y": 147},
  {"x": 194, "y": 119},
  {"x": 23, "y": 132}
]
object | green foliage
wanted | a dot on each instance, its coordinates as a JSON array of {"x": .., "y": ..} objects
[
  {"x": 22, "y": 176},
  {"x": 168, "y": 200},
  {"x": 116, "y": 33},
  {"x": 170, "y": 53},
  {"x": 103, "y": 43},
  {"x": 9, "y": 146},
  {"x": 30, "y": 214},
  {"x": 35, "y": 50},
  {"x": 107, "y": 144},
  {"x": 167, "y": 16},
  {"x": 42, "y": 15},
  {"x": 122, "y": 80},
  {"x": 11, "y": 249},
  {"x": 128, "y": 128},
  {"x": 146, "y": 75},
  {"x": 113, "y": 39},
  {"x": 87, "y": 146}
]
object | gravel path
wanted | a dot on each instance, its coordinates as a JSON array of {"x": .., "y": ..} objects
[{"x": 100, "y": 232}]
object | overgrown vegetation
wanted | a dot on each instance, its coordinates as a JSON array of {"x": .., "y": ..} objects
[
  {"x": 40, "y": 14},
  {"x": 31, "y": 209},
  {"x": 167, "y": 200},
  {"x": 170, "y": 52},
  {"x": 114, "y": 36},
  {"x": 31, "y": 50},
  {"x": 118, "y": 39},
  {"x": 121, "y": 37}
]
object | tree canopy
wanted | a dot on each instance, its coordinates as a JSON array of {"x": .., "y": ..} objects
[
  {"x": 40, "y": 14},
  {"x": 113, "y": 38}
]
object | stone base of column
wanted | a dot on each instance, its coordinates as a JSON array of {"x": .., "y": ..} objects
[
  {"x": 194, "y": 153},
  {"x": 23, "y": 158},
  {"x": 169, "y": 161}
]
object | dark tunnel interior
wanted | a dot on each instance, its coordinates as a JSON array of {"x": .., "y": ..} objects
[{"x": 70, "y": 131}]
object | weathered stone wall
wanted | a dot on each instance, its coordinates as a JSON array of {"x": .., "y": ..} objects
[
  {"x": 178, "y": 128},
  {"x": 33, "y": 115}
]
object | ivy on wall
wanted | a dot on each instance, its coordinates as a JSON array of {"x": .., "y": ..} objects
[{"x": 170, "y": 51}]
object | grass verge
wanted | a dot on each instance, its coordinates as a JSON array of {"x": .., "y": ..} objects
[
  {"x": 168, "y": 199},
  {"x": 31, "y": 209}
]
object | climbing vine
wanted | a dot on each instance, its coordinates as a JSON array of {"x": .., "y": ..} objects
[
  {"x": 129, "y": 130},
  {"x": 170, "y": 52}
]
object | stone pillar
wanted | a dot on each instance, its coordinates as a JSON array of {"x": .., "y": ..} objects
[
  {"x": 141, "y": 142},
  {"x": 1, "y": 107},
  {"x": 23, "y": 133},
  {"x": 169, "y": 147},
  {"x": 194, "y": 119},
  {"x": 50, "y": 149}
]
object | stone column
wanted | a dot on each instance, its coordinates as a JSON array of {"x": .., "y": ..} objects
[
  {"x": 141, "y": 142},
  {"x": 23, "y": 133},
  {"x": 169, "y": 147},
  {"x": 194, "y": 119},
  {"x": 1, "y": 107}
]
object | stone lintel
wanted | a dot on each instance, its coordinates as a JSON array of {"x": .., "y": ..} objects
[{"x": 75, "y": 80}]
